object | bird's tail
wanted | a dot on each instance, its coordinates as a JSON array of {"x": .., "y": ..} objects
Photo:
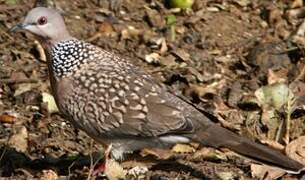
[{"x": 217, "y": 137}]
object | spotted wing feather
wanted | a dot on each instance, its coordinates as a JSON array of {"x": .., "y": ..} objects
[{"x": 108, "y": 100}]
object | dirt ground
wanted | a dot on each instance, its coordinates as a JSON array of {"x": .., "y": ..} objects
[{"x": 240, "y": 60}]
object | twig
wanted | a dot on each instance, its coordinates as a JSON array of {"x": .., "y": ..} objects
[
  {"x": 6, "y": 8},
  {"x": 301, "y": 75},
  {"x": 69, "y": 169},
  {"x": 290, "y": 104},
  {"x": 301, "y": 29},
  {"x": 3, "y": 153},
  {"x": 92, "y": 165},
  {"x": 26, "y": 172},
  {"x": 18, "y": 81},
  {"x": 280, "y": 130},
  {"x": 42, "y": 54}
]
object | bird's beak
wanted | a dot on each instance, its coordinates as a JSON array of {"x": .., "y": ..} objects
[{"x": 19, "y": 27}]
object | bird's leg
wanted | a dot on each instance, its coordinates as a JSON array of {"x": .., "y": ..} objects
[{"x": 101, "y": 167}]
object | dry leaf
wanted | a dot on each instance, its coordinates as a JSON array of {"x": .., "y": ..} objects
[
  {"x": 183, "y": 148},
  {"x": 297, "y": 4},
  {"x": 42, "y": 54},
  {"x": 114, "y": 170},
  {"x": 243, "y": 3},
  {"x": 152, "y": 58},
  {"x": 154, "y": 18},
  {"x": 1, "y": 94},
  {"x": 265, "y": 172},
  {"x": 273, "y": 144},
  {"x": 279, "y": 76},
  {"x": 51, "y": 105},
  {"x": 106, "y": 29},
  {"x": 209, "y": 154},
  {"x": 296, "y": 149},
  {"x": 199, "y": 90},
  {"x": 137, "y": 172},
  {"x": 159, "y": 153},
  {"x": 130, "y": 33},
  {"x": 225, "y": 175},
  {"x": 24, "y": 87},
  {"x": 272, "y": 120},
  {"x": 168, "y": 61},
  {"x": 181, "y": 54},
  {"x": 163, "y": 48},
  {"x": 49, "y": 175},
  {"x": 19, "y": 140},
  {"x": 5, "y": 118}
]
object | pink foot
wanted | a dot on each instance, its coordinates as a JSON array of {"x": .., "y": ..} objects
[{"x": 99, "y": 168}]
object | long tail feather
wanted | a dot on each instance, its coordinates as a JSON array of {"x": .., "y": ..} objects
[{"x": 217, "y": 137}]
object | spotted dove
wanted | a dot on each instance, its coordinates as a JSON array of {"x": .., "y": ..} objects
[{"x": 117, "y": 103}]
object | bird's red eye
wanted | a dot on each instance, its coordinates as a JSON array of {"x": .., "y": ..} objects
[{"x": 42, "y": 20}]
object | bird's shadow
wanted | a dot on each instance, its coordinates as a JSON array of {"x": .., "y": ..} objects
[{"x": 12, "y": 160}]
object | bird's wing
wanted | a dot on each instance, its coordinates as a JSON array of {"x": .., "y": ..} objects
[
  {"x": 123, "y": 103},
  {"x": 149, "y": 111}
]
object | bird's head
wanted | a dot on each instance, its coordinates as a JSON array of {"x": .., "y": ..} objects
[{"x": 45, "y": 23}]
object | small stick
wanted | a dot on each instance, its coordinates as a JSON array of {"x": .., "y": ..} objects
[{"x": 18, "y": 81}]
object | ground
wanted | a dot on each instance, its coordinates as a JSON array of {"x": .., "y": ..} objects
[{"x": 239, "y": 60}]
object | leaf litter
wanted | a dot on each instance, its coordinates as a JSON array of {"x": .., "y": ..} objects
[{"x": 243, "y": 69}]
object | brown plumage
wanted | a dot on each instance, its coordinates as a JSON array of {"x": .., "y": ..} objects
[{"x": 117, "y": 103}]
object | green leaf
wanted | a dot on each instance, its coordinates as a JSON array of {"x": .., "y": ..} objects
[
  {"x": 171, "y": 20},
  {"x": 275, "y": 95},
  {"x": 183, "y": 4}
]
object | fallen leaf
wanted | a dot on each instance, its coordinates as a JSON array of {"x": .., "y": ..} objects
[
  {"x": 1, "y": 94},
  {"x": 50, "y": 101},
  {"x": 271, "y": 119},
  {"x": 168, "y": 61},
  {"x": 113, "y": 170},
  {"x": 5, "y": 118},
  {"x": 41, "y": 52},
  {"x": 265, "y": 172},
  {"x": 152, "y": 58},
  {"x": 197, "y": 74},
  {"x": 209, "y": 154},
  {"x": 24, "y": 87},
  {"x": 273, "y": 144},
  {"x": 163, "y": 47},
  {"x": 19, "y": 140},
  {"x": 183, "y": 4},
  {"x": 159, "y": 153},
  {"x": 243, "y": 3},
  {"x": 199, "y": 91},
  {"x": 225, "y": 175},
  {"x": 275, "y": 95},
  {"x": 279, "y": 76},
  {"x": 11, "y": 2},
  {"x": 183, "y": 148},
  {"x": 154, "y": 18},
  {"x": 130, "y": 33},
  {"x": 18, "y": 76},
  {"x": 181, "y": 54},
  {"x": 297, "y": 4},
  {"x": 296, "y": 149},
  {"x": 137, "y": 172},
  {"x": 49, "y": 175},
  {"x": 106, "y": 29}
]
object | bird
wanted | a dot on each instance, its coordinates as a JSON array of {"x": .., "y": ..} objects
[{"x": 123, "y": 107}]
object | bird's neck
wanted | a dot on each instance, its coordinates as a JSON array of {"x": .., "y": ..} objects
[{"x": 68, "y": 55}]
